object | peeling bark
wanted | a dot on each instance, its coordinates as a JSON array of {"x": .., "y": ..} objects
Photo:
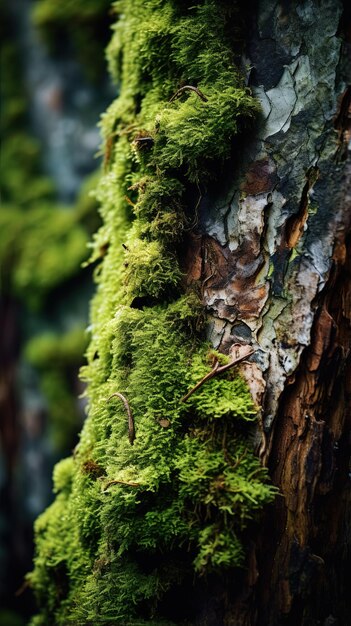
[{"x": 273, "y": 257}]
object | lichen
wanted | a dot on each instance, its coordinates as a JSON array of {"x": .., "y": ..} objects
[{"x": 145, "y": 520}]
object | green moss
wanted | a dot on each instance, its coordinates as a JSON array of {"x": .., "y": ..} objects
[
  {"x": 201, "y": 131},
  {"x": 63, "y": 474},
  {"x": 150, "y": 270},
  {"x": 58, "y": 541},
  {"x": 189, "y": 467},
  {"x": 152, "y": 518}
]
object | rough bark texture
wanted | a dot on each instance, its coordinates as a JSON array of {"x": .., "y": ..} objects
[{"x": 276, "y": 270}]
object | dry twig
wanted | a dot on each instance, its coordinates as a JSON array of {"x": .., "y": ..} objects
[
  {"x": 143, "y": 139},
  {"x": 121, "y": 482},
  {"x": 219, "y": 370},
  {"x": 187, "y": 88},
  {"x": 131, "y": 426}
]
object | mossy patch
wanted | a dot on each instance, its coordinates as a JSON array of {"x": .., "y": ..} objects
[{"x": 168, "y": 508}]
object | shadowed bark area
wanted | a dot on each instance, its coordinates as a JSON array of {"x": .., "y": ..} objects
[
  {"x": 309, "y": 460},
  {"x": 275, "y": 270}
]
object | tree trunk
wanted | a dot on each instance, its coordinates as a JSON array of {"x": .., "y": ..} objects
[
  {"x": 161, "y": 483},
  {"x": 277, "y": 268}
]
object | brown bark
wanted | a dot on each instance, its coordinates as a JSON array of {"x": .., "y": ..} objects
[{"x": 273, "y": 257}]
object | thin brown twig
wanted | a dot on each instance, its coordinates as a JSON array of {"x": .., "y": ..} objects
[
  {"x": 217, "y": 370},
  {"x": 22, "y": 588},
  {"x": 202, "y": 381},
  {"x": 196, "y": 218},
  {"x": 208, "y": 278},
  {"x": 238, "y": 461},
  {"x": 143, "y": 139},
  {"x": 129, "y": 201},
  {"x": 131, "y": 426},
  {"x": 121, "y": 482},
  {"x": 108, "y": 151},
  {"x": 191, "y": 88}
]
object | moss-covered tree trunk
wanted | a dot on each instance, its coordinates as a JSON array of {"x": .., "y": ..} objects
[
  {"x": 220, "y": 330},
  {"x": 278, "y": 271}
]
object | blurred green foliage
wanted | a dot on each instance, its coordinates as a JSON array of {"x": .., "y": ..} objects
[
  {"x": 56, "y": 357},
  {"x": 10, "y": 618},
  {"x": 42, "y": 246},
  {"x": 81, "y": 24},
  {"x": 41, "y": 243}
]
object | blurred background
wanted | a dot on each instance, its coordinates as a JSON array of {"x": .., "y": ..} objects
[{"x": 54, "y": 86}]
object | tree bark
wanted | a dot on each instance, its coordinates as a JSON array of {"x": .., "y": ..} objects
[{"x": 276, "y": 270}]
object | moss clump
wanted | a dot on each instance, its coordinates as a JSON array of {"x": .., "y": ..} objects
[
  {"x": 58, "y": 542},
  {"x": 144, "y": 517}
]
